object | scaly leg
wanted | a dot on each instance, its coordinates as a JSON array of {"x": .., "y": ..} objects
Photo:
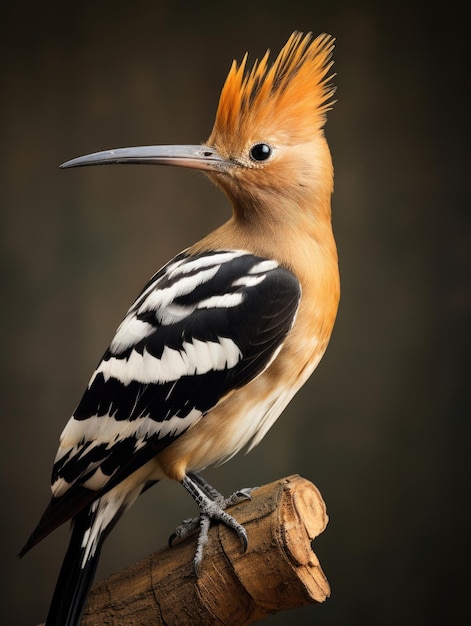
[{"x": 211, "y": 504}]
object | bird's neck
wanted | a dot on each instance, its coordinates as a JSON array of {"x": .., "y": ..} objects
[{"x": 297, "y": 235}]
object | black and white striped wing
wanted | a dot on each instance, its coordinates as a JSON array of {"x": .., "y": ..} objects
[{"x": 204, "y": 325}]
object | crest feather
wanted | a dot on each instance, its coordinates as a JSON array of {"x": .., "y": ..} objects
[{"x": 291, "y": 96}]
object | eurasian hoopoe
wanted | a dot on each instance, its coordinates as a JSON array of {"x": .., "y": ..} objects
[{"x": 224, "y": 335}]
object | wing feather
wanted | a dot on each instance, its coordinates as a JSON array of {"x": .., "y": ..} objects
[{"x": 203, "y": 326}]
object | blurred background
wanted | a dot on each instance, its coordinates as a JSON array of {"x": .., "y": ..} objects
[{"x": 382, "y": 428}]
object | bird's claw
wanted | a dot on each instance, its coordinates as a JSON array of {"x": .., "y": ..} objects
[
  {"x": 238, "y": 496},
  {"x": 205, "y": 522},
  {"x": 186, "y": 528},
  {"x": 212, "y": 507}
]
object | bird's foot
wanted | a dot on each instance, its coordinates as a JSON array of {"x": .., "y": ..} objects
[{"x": 212, "y": 506}]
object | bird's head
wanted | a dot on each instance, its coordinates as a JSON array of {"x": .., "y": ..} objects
[
  {"x": 269, "y": 122},
  {"x": 267, "y": 140}
]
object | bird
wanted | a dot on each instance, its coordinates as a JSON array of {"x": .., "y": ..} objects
[{"x": 222, "y": 337}]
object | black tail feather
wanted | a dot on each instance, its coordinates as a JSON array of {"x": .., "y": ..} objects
[{"x": 76, "y": 576}]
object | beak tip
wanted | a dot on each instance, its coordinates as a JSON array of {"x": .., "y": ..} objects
[{"x": 67, "y": 164}]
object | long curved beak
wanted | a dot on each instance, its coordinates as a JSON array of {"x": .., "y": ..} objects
[{"x": 196, "y": 157}]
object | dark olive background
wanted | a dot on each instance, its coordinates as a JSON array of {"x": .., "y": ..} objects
[{"x": 382, "y": 428}]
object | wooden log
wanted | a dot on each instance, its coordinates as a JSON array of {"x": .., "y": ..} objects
[{"x": 278, "y": 571}]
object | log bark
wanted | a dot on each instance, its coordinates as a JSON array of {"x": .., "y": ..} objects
[{"x": 278, "y": 571}]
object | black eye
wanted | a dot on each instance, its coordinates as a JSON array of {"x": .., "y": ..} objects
[{"x": 260, "y": 152}]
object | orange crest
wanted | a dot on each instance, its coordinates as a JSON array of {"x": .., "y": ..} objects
[{"x": 290, "y": 98}]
